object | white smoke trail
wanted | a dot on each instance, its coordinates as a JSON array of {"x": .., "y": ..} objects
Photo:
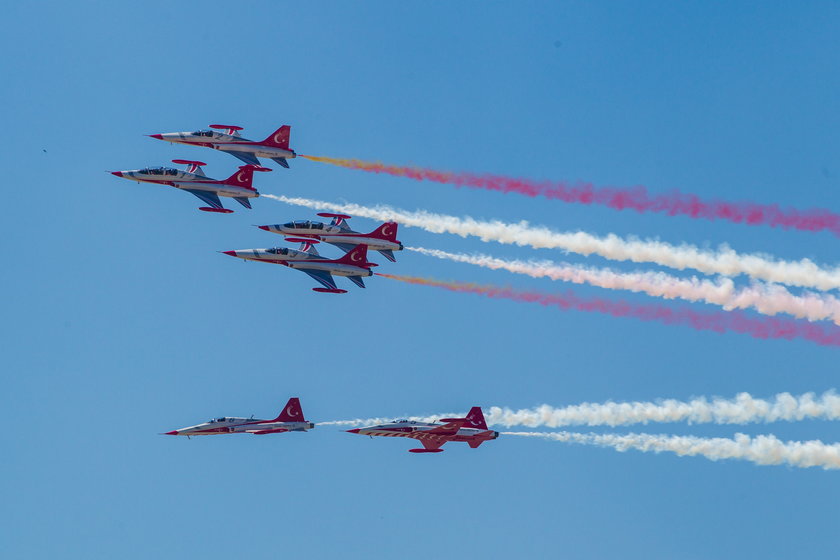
[
  {"x": 743, "y": 409},
  {"x": 762, "y": 450},
  {"x": 722, "y": 261},
  {"x": 768, "y": 299}
]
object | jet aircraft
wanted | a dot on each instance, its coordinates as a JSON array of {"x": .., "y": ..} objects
[
  {"x": 338, "y": 233},
  {"x": 275, "y": 147},
  {"x": 290, "y": 419},
  {"x": 193, "y": 180},
  {"x": 354, "y": 265},
  {"x": 472, "y": 429}
]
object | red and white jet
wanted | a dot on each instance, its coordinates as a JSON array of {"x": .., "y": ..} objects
[
  {"x": 290, "y": 419},
  {"x": 275, "y": 147},
  {"x": 193, "y": 180},
  {"x": 354, "y": 265},
  {"x": 472, "y": 429},
  {"x": 338, "y": 233}
]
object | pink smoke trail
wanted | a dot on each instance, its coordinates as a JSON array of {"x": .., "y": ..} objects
[
  {"x": 637, "y": 198},
  {"x": 721, "y": 322}
]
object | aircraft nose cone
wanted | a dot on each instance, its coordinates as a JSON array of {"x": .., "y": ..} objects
[
  {"x": 158, "y": 136},
  {"x": 264, "y": 228},
  {"x": 172, "y": 433},
  {"x": 231, "y": 253},
  {"x": 353, "y": 431},
  {"x": 117, "y": 173}
]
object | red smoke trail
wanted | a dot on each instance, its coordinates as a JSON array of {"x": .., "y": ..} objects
[
  {"x": 635, "y": 198},
  {"x": 731, "y": 321}
]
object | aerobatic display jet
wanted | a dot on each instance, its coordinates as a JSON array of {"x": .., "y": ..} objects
[
  {"x": 193, "y": 180},
  {"x": 338, "y": 233},
  {"x": 354, "y": 265},
  {"x": 290, "y": 419},
  {"x": 472, "y": 429},
  {"x": 275, "y": 147}
]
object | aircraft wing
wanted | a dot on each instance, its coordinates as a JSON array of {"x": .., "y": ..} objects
[
  {"x": 321, "y": 276},
  {"x": 346, "y": 247},
  {"x": 210, "y": 198},
  {"x": 247, "y": 157}
]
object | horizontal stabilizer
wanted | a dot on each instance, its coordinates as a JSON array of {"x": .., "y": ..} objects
[
  {"x": 388, "y": 254},
  {"x": 282, "y": 161},
  {"x": 357, "y": 280},
  {"x": 243, "y": 201}
]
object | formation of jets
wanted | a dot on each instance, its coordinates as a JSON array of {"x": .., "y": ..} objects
[
  {"x": 472, "y": 429},
  {"x": 353, "y": 265}
]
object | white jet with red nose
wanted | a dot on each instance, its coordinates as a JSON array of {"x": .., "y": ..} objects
[
  {"x": 290, "y": 419},
  {"x": 353, "y": 266},
  {"x": 274, "y": 147},
  {"x": 238, "y": 186}
]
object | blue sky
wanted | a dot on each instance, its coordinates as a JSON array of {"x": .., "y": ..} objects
[{"x": 122, "y": 320}]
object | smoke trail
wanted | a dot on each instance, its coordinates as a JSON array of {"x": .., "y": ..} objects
[
  {"x": 743, "y": 409},
  {"x": 724, "y": 261},
  {"x": 636, "y": 198},
  {"x": 762, "y": 450},
  {"x": 766, "y": 299},
  {"x": 732, "y": 321}
]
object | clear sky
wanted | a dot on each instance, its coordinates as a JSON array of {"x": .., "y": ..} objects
[{"x": 122, "y": 321}]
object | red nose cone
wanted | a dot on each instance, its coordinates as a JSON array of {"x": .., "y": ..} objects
[
  {"x": 353, "y": 431},
  {"x": 158, "y": 136},
  {"x": 172, "y": 433},
  {"x": 117, "y": 173},
  {"x": 231, "y": 253},
  {"x": 264, "y": 228}
]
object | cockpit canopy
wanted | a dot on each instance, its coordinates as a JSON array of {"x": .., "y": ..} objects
[
  {"x": 304, "y": 224},
  {"x": 207, "y": 133},
  {"x": 278, "y": 251},
  {"x": 222, "y": 419},
  {"x": 159, "y": 171}
]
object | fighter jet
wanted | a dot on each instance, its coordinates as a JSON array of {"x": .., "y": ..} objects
[
  {"x": 275, "y": 147},
  {"x": 472, "y": 429},
  {"x": 193, "y": 180},
  {"x": 353, "y": 265},
  {"x": 338, "y": 233},
  {"x": 290, "y": 419}
]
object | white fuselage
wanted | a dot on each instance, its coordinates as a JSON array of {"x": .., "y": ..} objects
[
  {"x": 226, "y": 143},
  {"x": 188, "y": 181},
  {"x": 233, "y": 425},
  {"x": 333, "y": 234},
  {"x": 300, "y": 259}
]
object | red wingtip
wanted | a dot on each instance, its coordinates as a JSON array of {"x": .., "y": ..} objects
[
  {"x": 353, "y": 431},
  {"x": 117, "y": 173},
  {"x": 158, "y": 136}
]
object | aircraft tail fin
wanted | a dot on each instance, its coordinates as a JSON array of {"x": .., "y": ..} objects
[
  {"x": 357, "y": 256},
  {"x": 387, "y": 231},
  {"x": 279, "y": 138},
  {"x": 292, "y": 412},
  {"x": 475, "y": 419},
  {"x": 244, "y": 177}
]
